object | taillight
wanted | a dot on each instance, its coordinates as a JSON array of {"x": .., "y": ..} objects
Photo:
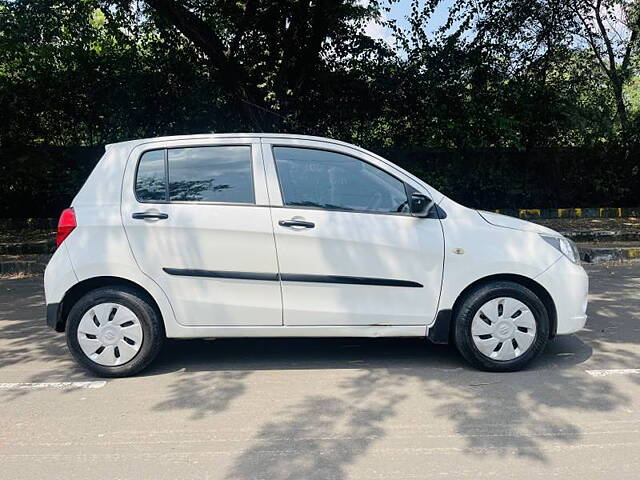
[{"x": 66, "y": 224}]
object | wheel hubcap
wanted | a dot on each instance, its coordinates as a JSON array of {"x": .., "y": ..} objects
[
  {"x": 110, "y": 334},
  {"x": 503, "y": 328}
]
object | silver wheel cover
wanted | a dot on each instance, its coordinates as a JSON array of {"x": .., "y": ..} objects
[
  {"x": 110, "y": 334},
  {"x": 503, "y": 329}
]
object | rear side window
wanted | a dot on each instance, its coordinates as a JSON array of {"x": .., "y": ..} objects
[
  {"x": 333, "y": 181},
  {"x": 211, "y": 174},
  {"x": 151, "y": 182},
  {"x": 196, "y": 174}
]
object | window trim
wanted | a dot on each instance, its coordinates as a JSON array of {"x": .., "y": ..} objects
[
  {"x": 343, "y": 210},
  {"x": 167, "y": 198}
]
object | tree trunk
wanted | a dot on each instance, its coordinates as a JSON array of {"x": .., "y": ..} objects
[{"x": 617, "y": 85}]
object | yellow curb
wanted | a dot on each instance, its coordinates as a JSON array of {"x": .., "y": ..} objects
[
  {"x": 618, "y": 211},
  {"x": 531, "y": 212},
  {"x": 569, "y": 212},
  {"x": 602, "y": 212}
]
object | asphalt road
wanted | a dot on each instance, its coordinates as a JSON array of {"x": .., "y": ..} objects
[{"x": 325, "y": 409}]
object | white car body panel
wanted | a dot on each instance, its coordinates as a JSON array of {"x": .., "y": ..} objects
[
  {"x": 568, "y": 285},
  {"x": 359, "y": 245},
  {"x": 59, "y": 276},
  {"x": 211, "y": 237},
  {"x": 505, "y": 221},
  {"x": 98, "y": 247},
  {"x": 445, "y": 256},
  {"x": 488, "y": 250},
  {"x": 351, "y": 244}
]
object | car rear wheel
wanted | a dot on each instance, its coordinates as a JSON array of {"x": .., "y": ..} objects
[
  {"x": 114, "y": 332},
  {"x": 501, "y": 326}
]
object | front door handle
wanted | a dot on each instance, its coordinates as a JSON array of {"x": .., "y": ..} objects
[
  {"x": 296, "y": 223},
  {"x": 145, "y": 215}
]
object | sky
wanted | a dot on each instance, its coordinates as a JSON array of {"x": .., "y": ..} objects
[{"x": 400, "y": 10}]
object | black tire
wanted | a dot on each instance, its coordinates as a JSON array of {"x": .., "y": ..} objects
[
  {"x": 476, "y": 299},
  {"x": 150, "y": 321}
]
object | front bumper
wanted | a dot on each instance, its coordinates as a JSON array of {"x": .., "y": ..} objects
[{"x": 568, "y": 285}]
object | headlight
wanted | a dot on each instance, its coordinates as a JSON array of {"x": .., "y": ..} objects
[{"x": 564, "y": 245}]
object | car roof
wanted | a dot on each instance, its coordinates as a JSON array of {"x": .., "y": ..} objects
[{"x": 135, "y": 142}]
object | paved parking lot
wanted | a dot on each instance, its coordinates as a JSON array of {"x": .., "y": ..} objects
[{"x": 325, "y": 408}]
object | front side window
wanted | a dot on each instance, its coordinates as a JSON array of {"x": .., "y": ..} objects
[
  {"x": 333, "y": 181},
  {"x": 211, "y": 174}
]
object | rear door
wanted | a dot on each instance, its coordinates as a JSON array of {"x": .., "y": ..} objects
[
  {"x": 197, "y": 219},
  {"x": 348, "y": 249}
]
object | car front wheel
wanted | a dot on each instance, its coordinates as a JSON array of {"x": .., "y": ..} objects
[{"x": 501, "y": 327}]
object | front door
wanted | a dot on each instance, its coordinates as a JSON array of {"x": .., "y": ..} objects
[
  {"x": 198, "y": 222},
  {"x": 349, "y": 251}
]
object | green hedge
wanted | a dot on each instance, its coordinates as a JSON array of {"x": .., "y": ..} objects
[
  {"x": 41, "y": 181},
  {"x": 541, "y": 178}
]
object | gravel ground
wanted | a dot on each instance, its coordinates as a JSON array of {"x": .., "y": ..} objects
[{"x": 562, "y": 225}]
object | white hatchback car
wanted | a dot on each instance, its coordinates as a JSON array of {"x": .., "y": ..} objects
[{"x": 266, "y": 235}]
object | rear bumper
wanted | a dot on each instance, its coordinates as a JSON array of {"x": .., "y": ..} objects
[
  {"x": 59, "y": 277},
  {"x": 568, "y": 285}
]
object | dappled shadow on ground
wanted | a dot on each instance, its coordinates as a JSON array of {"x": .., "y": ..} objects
[
  {"x": 503, "y": 418},
  {"x": 320, "y": 435},
  {"x": 488, "y": 415},
  {"x": 25, "y": 338},
  {"x": 22, "y": 330},
  {"x": 213, "y": 373},
  {"x": 613, "y": 328},
  {"x": 492, "y": 416},
  {"x": 204, "y": 393},
  {"x": 317, "y": 437}
]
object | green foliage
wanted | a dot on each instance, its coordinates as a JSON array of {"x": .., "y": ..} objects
[
  {"x": 39, "y": 181},
  {"x": 507, "y": 73},
  {"x": 520, "y": 75}
]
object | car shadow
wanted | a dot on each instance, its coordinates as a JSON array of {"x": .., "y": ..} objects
[{"x": 337, "y": 353}]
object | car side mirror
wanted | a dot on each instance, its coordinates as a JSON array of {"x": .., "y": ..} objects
[{"x": 420, "y": 205}]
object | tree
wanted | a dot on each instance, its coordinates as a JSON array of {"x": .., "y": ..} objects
[
  {"x": 611, "y": 28},
  {"x": 268, "y": 56},
  {"x": 498, "y": 73},
  {"x": 540, "y": 35}
]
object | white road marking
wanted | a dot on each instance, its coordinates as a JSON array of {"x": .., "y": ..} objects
[
  {"x": 615, "y": 371},
  {"x": 54, "y": 385}
]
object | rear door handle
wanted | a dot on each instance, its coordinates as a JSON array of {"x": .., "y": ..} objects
[
  {"x": 144, "y": 215},
  {"x": 296, "y": 223}
]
